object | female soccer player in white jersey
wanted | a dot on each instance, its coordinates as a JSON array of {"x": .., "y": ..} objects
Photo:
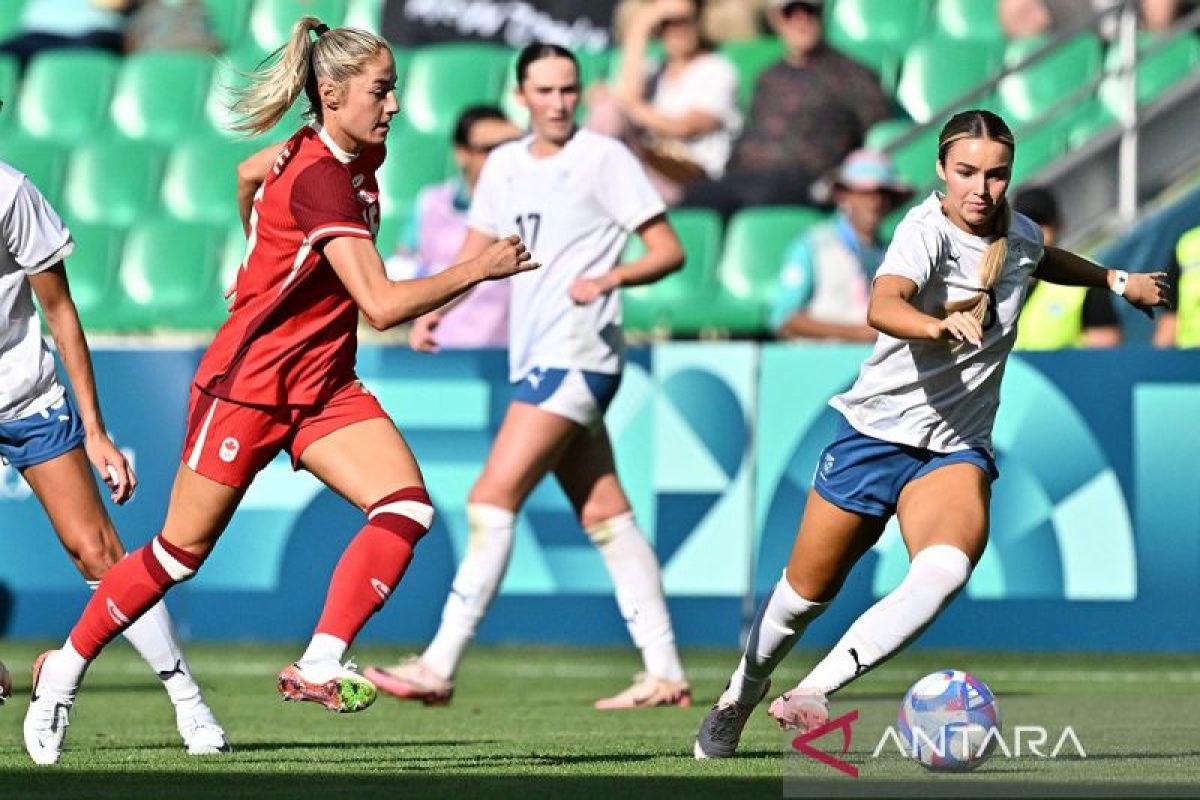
[
  {"x": 915, "y": 438},
  {"x": 279, "y": 375},
  {"x": 45, "y": 436},
  {"x": 574, "y": 196}
]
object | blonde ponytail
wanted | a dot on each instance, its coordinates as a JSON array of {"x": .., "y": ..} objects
[
  {"x": 336, "y": 55},
  {"x": 992, "y": 263}
]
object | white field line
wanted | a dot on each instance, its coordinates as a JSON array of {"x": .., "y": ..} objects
[{"x": 207, "y": 667}]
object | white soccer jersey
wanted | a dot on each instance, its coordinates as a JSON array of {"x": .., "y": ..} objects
[
  {"x": 575, "y": 211},
  {"x": 927, "y": 394},
  {"x": 34, "y": 239}
]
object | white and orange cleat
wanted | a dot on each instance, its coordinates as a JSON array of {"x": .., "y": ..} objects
[
  {"x": 412, "y": 679},
  {"x": 649, "y": 692},
  {"x": 800, "y": 709},
  {"x": 339, "y": 689}
]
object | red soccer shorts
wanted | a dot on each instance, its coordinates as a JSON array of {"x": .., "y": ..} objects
[{"x": 230, "y": 443}]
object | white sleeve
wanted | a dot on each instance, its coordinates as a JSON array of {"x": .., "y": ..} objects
[
  {"x": 713, "y": 88},
  {"x": 33, "y": 232},
  {"x": 623, "y": 190},
  {"x": 912, "y": 254},
  {"x": 485, "y": 212}
]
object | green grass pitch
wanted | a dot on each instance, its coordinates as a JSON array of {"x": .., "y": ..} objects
[{"x": 522, "y": 726}]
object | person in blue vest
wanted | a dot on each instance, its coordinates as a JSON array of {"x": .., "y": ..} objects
[{"x": 1058, "y": 317}]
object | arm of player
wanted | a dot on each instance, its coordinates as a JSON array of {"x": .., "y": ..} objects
[
  {"x": 250, "y": 175},
  {"x": 1144, "y": 290},
  {"x": 387, "y": 303},
  {"x": 423, "y": 335},
  {"x": 802, "y": 326},
  {"x": 54, "y": 295},
  {"x": 664, "y": 255},
  {"x": 892, "y": 312}
]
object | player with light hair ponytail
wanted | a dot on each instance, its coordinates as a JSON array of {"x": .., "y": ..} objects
[
  {"x": 914, "y": 434},
  {"x": 279, "y": 374}
]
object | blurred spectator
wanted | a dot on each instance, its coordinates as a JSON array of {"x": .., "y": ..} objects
[
  {"x": 1057, "y": 317},
  {"x": 809, "y": 111},
  {"x": 1180, "y": 326},
  {"x": 679, "y": 117},
  {"x": 438, "y": 227},
  {"x": 1021, "y": 18},
  {"x": 171, "y": 25},
  {"x": 57, "y": 24},
  {"x": 721, "y": 20},
  {"x": 825, "y": 284}
]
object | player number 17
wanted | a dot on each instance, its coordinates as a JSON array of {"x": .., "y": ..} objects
[{"x": 528, "y": 226}]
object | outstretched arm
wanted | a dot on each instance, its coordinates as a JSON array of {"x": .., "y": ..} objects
[
  {"x": 385, "y": 303},
  {"x": 664, "y": 255},
  {"x": 1143, "y": 290},
  {"x": 54, "y": 295}
]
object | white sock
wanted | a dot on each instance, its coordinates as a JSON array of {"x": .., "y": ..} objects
[
  {"x": 489, "y": 546},
  {"x": 153, "y": 636},
  {"x": 322, "y": 659},
  {"x": 635, "y": 574},
  {"x": 62, "y": 671},
  {"x": 935, "y": 576},
  {"x": 780, "y": 621}
]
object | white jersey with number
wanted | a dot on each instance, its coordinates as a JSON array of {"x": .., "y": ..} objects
[
  {"x": 33, "y": 239},
  {"x": 930, "y": 394},
  {"x": 575, "y": 211}
]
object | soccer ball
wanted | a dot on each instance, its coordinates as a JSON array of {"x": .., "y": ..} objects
[
  {"x": 5, "y": 683},
  {"x": 949, "y": 721}
]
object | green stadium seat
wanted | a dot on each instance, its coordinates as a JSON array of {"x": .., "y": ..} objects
[
  {"x": 650, "y": 308},
  {"x": 876, "y": 32},
  {"x": 233, "y": 253},
  {"x": 415, "y": 160},
  {"x": 44, "y": 163},
  {"x": 915, "y": 159},
  {"x": 750, "y": 57},
  {"x": 113, "y": 182},
  {"x": 160, "y": 95},
  {"x": 229, "y": 19},
  {"x": 747, "y": 277},
  {"x": 92, "y": 272},
  {"x": 1031, "y": 91},
  {"x": 65, "y": 94},
  {"x": 364, "y": 14},
  {"x": 10, "y": 80},
  {"x": 926, "y": 86},
  {"x": 444, "y": 79},
  {"x": 1036, "y": 148},
  {"x": 200, "y": 182},
  {"x": 969, "y": 19},
  {"x": 169, "y": 274},
  {"x": 1161, "y": 64},
  {"x": 10, "y": 20},
  {"x": 271, "y": 21}
]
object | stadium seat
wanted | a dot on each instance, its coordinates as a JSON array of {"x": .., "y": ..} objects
[
  {"x": 65, "y": 94},
  {"x": 876, "y": 32},
  {"x": 415, "y": 160},
  {"x": 10, "y": 79},
  {"x": 364, "y": 14},
  {"x": 747, "y": 277},
  {"x": 750, "y": 57},
  {"x": 44, "y": 163},
  {"x": 444, "y": 79},
  {"x": 969, "y": 19},
  {"x": 650, "y": 308},
  {"x": 228, "y": 19},
  {"x": 113, "y": 182},
  {"x": 1036, "y": 148},
  {"x": 160, "y": 95},
  {"x": 169, "y": 273},
  {"x": 10, "y": 20},
  {"x": 200, "y": 182},
  {"x": 1160, "y": 65},
  {"x": 926, "y": 85},
  {"x": 914, "y": 160},
  {"x": 233, "y": 253},
  {"x": 1033, "y": 90},
  {"x": 92, "y": 272},
  {"x": 271, "y": 21}
]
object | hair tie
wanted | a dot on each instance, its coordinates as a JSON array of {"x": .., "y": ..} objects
[{"x": 321, "y": 29}]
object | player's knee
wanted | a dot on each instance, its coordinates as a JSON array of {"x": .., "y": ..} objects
[
  {"x": 94, "y": 557},
  {"x": 940, "y": 568},
  {"x": 408, "y": 513}
]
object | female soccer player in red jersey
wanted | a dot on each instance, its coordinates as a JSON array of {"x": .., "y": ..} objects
[{"x": 280, "y": 376}]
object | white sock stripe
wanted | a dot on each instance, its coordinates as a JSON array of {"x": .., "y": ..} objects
[
  {"x": 418, "y": 512},
  {"x": 194, "y": 457},
  {"x": 602, "y": 532},
  {"x": 177, "y": 570},
  {"x": 488, "y": 515}
]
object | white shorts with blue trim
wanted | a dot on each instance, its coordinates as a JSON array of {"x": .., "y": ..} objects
[{"x": 575, "y": 394}]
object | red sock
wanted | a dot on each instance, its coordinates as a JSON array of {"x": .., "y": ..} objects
[
  {"x": 129, "y": 588},
  {"x": 374, "y": 562}
]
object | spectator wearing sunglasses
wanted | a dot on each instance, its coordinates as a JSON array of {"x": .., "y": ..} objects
[{"x": 438, "y": 226}]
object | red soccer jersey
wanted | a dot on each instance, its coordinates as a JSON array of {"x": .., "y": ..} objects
[{"x": 291, "y": 335}]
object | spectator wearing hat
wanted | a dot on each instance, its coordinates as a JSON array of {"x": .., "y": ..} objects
[
  {"x": 1057, "y": 317},
  {"x": 825, "y": 284},
  {"x": 809, "y": 111}
]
